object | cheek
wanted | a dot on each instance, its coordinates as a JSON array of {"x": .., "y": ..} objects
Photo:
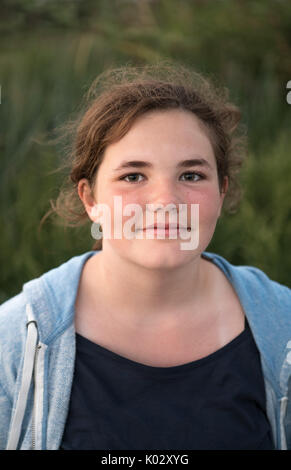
[
  {"x": 209, "y": 203},
  {"x": 117, "y": 201}
]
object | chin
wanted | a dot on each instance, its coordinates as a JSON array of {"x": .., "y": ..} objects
[{"x": 159, "y": 254}]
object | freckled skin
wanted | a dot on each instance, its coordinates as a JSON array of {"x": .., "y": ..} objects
[{"x": 162, "y": 138}]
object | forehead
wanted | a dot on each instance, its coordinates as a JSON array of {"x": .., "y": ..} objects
[{"x": 157, "y": 136}]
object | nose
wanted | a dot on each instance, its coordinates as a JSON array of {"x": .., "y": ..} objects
[{"x": 163, "y": 194}]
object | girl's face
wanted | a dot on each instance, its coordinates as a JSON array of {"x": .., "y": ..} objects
[{"x": 159, "y": 141}]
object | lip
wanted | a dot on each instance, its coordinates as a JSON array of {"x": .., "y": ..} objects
[{"x": 163, "y": 227}]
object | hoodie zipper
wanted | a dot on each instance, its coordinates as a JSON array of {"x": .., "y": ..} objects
[{"x": 38, "y": 347}]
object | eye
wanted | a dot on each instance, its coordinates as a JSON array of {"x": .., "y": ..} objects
[
  {"x": 130, "y": 175},
  {"x": 195, "y": 173}
]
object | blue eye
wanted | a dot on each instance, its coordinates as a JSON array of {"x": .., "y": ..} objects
[{"x": 195, "y": 173}]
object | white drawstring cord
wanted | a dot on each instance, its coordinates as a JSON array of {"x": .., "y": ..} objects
[{"x": 30, "y": 348}]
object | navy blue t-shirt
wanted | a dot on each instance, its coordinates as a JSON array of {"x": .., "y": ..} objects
[{"x": 217, "y": 402}]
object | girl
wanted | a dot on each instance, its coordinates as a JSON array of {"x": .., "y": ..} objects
[{"x": 138, "y": 343}]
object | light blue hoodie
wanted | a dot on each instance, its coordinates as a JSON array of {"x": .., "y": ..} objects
[{"x": 37, "y": 351}]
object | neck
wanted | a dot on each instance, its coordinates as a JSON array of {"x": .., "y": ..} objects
[{"x": 141, "y": 294}]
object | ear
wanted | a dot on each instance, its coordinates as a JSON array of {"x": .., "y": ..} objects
[
  {"x": 86, "y": 195},
  {"x": 223, "y": 192}
]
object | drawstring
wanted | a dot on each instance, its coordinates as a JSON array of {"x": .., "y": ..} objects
[
  {"x": 30, "y": 349},
  {"x": 283, "y": 407}
]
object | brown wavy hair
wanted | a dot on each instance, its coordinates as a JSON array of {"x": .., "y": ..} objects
[{"x": 116, "y": 98}]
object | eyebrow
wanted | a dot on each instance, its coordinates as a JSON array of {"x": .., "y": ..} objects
[{"x": 182, "y": 164}]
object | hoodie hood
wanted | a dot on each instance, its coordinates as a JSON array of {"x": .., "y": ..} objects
[{"x": 52, "y": 296}]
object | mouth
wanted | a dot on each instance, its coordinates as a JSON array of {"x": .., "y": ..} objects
[{"x": 166, "y": 227}]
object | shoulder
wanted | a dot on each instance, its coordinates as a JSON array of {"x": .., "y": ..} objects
[
  {"x": 51, "y": 297},
  {"x": 12, "y": 315},
  {"x": 266, "y": 303},
  {"x": 252, "y": 282},
  {"x": 13, "y": 335}
]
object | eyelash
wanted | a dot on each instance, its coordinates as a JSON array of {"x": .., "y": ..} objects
[{"x": 186, "y": 173}]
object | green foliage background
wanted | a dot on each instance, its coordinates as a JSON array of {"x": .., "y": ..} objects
[{"x": 49, "y": 55}]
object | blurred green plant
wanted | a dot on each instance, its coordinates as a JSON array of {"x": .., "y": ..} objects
[{"x": 51, "y": 52}]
